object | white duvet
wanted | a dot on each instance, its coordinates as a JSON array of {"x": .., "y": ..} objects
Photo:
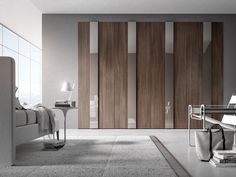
[{"x": 45, "y": 118}]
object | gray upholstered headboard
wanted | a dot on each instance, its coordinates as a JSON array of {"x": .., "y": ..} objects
[{"x": 7, "y": 110}]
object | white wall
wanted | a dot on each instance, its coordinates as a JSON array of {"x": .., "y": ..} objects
[
  {"x": 60, "y": 63},
  {"x": 24, "y": 18}
]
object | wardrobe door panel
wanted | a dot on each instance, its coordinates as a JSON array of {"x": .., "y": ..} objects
[
  {"x": 188, "y": 57},
  {"x": 217, "y": 65},
  {"x": 150, "y": 75},
  {"x": 113, "y": 74},
  {"x": 84, "y": 74}
]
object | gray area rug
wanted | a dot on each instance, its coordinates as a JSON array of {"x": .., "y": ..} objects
[{"x": 97, "y": 156}]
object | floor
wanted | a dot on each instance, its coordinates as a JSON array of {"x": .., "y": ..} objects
[
  {"x": 176, "y": 141},
  {"x": 92, "y": 156},
  {"x": 94, "y": 122}
]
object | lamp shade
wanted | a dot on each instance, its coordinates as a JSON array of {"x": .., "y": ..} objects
[{"x": 66, "y": 87}]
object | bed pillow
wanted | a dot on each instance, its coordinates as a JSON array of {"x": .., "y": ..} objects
[{"x": 17, "y": 104}]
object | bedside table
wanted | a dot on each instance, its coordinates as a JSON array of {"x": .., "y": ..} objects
[{"x": 64, "y": 111}]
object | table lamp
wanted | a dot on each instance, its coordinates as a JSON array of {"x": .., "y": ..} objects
[{"x": 66, "y": 87}]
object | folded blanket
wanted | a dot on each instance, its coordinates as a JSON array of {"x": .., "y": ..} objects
[{"x": 45, "y": 118}]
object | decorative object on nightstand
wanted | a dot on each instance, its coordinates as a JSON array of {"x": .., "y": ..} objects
[
  {"x": 59, "y": 103},
  {"x": 66, "y": 87},
  {"x": 73, "y": 103}
]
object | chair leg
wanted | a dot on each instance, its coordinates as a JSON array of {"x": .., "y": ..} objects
[{"x": 57, "y": 135}]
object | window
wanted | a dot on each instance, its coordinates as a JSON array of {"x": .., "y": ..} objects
[
  {"x": 36, "y": 54},
  {"x": 24, "y": 48},
  {"x": 28, "y": 65},
  {"x": 24, "y": 79},
  {"x": 0, "y": 50},
  {"x": 14, "y": 55},
  {"x": 0, "y": 40},
  {"x": 0, "y": 35},
  {"x": 10, "y": 39},
  {"x": 36, "y": 79}
]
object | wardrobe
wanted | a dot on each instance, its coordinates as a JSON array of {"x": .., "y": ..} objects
[{"x": 145, "y": 74}]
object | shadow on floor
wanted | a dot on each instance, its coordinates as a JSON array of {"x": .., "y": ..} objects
[{"x": 81, "y": 152}]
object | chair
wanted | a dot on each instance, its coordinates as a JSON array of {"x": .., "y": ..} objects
[
  {"x": 199, "y": 112},
  {"x": 231, "y": 119}
]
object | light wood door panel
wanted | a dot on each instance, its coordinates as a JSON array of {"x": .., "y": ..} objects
[
  {"x": 113, "y": 74},
  {"x": 188, "y": 56},
  {"x": 150, "y": 75},
  {"x": 84, "y": 74}
]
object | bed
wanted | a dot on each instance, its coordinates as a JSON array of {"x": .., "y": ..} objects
[
  {"x": 16, "y": 126},
  {"x": 26, "y": 121}
]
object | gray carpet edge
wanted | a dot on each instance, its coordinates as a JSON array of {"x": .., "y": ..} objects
[{"x": 172, "y": 161}]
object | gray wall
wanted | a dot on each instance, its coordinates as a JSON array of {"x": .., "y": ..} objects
[{"x": 60, "y": 50}]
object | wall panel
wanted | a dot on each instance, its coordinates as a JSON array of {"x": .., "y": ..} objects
[
  {"x": 150, "y": 75},
  {"x": 84, "y": 74},
  {"x": 113, "y": 74},
  {"x": 188, "y": 57},
  {"x": 217, "y": 64}
]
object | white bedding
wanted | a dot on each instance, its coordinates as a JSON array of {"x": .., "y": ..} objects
[
  {"x": 37, "y": 114},
  {"x": 45, "y": 118},
  {"x": 25, "y": 117}
]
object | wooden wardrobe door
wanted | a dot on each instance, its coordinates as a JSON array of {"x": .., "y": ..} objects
[
  {"x": 217, "y": 65},
  {"x": 188, "y": 56},
  {"x": 150, "y": 75},
  {"x": 113, "y": 74},
  {"x": 84, "y": 74}
]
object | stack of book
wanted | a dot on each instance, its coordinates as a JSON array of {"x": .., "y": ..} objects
[
  {"x": 223, "y": 158},
  {"x": 53, "y": 145},
  {"x": 62, "y": 104}
]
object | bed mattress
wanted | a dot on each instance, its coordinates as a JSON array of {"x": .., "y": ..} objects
[{"x": 25, "y": 117}]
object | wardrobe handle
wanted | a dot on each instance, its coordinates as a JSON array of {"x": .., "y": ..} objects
[{"x": 167, "y": 107}]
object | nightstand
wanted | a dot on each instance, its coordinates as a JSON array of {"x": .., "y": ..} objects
[{"x": 65, "y": 110}]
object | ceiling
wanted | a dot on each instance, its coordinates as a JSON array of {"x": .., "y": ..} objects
[{"x": 136, "y": 6}]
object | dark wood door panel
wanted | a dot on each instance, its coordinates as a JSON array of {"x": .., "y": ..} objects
[
  {"x": 150, "y": 74},
  {"x": 84, "y": 74},
  {"x": 217, "y": 65},
  {"x": 113, "y": 74},
  {"x": 188, "y": 56}
]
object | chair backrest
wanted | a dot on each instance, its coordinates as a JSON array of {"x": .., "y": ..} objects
[
  {"x": 232, "y": 100},
  {"x": 230, "y": 119}
]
